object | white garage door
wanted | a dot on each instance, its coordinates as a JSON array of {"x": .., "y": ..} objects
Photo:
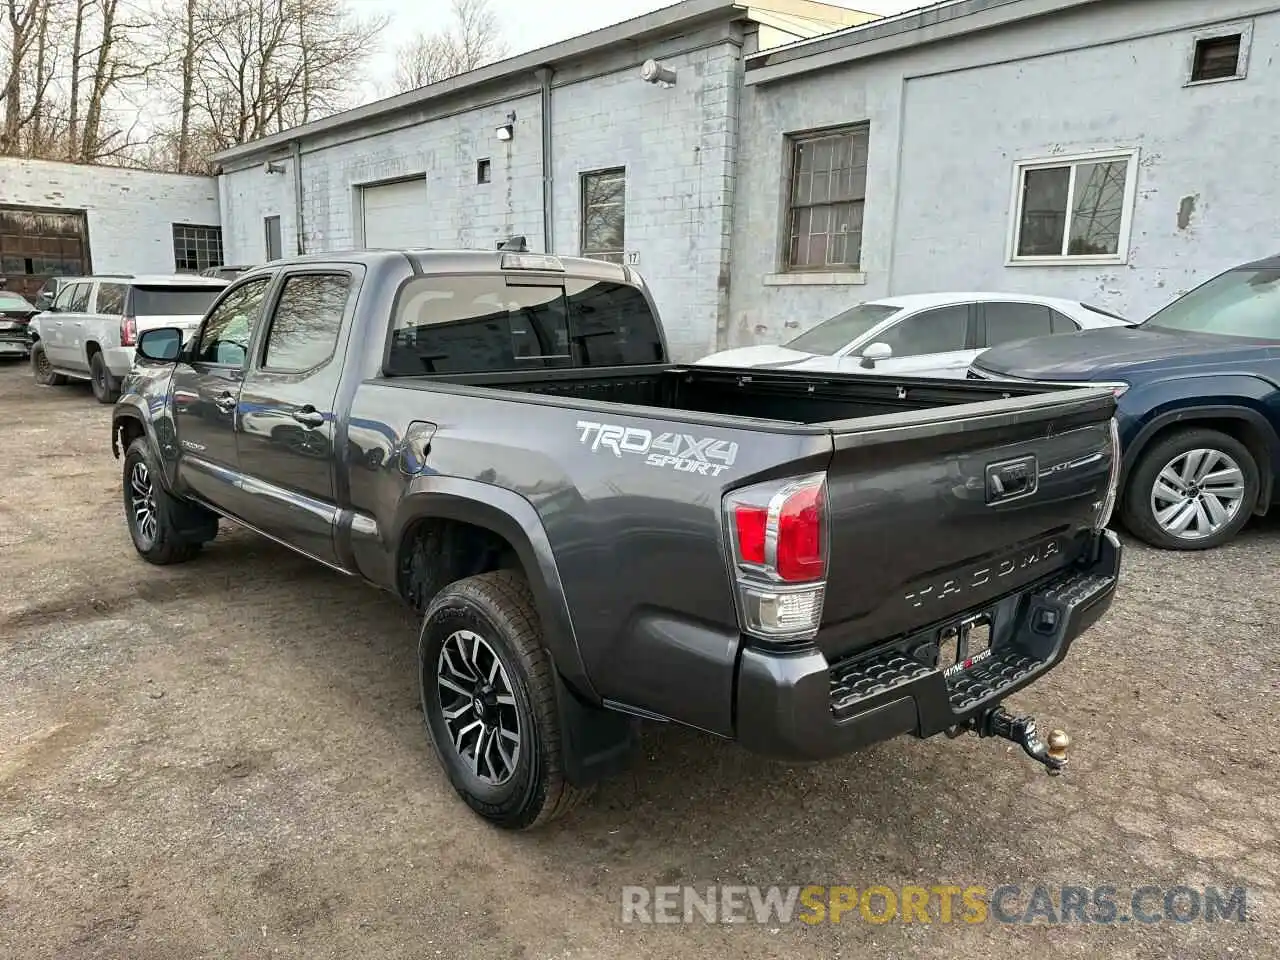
[{"x": 395, "y": 214}]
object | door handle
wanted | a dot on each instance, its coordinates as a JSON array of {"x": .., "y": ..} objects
[
  {"x": 309, "y": 416},
  {"x": 226, "y": 403}
]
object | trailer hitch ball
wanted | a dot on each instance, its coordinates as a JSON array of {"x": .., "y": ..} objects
[{"x": 1052, "y": 755}]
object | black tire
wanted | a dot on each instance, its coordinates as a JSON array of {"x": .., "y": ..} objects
[
  {"x": 42, "y": 369},
  {"x": 104, "y": 385},
  {"x": 498, "y": 607},
  {"x": 1138, "y": 512},
  {"x": 161, "y": 543}
]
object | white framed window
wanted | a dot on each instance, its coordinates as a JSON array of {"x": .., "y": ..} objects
[
  {"x": 1219, "y": 53},
  {"x": 1073, "y": 209}
]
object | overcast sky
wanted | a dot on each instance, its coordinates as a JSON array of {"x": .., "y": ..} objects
[{"x": 529, "y": 24}]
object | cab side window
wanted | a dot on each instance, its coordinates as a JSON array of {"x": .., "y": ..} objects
[
  {"x": 225, "y": 336},
  {"x": 63, "y": 303},
  {"x": 80, "y": 298},
  {"x": 306, "y": 323}
]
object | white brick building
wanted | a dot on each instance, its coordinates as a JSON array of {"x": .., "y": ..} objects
[
  {"x": 66, "y": 219},
  {"x": 964, "y": 141},
  {"x": 973, "y": 122},
  {"x": 427, "y": 168}
]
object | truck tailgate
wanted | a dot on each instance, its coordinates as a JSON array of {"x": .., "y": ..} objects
[{"x": 937, "y": 513}]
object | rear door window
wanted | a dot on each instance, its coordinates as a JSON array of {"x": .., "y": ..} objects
[
  {"x": 172, "y": 301},
  {"x": 306, "y": 323},
  {"x": 1016, "y": 321},
  {"x": 111, "y": 299}
]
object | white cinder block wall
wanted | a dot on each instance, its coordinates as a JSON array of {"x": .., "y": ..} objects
[
  {"x": 130, "y": 213},
  {"x": 677, "y": 145},
  {"x": 939, "y": 183}
]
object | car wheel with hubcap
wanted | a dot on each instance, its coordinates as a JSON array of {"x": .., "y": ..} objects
[
  {"x": 151, "y": 512},
  {"x": 43, "y": 369},
  {"x": 489, "y": 701},
  {"x": 1192, "y": 490},
  {"x": 104, "y": 387}
]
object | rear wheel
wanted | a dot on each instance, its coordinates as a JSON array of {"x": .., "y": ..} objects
[
  {"x": 1192, "y": 490},
  {"x": 104, "y": 385},
  {"x": 489, "y": 701},
  {"x": 42, "y": 369}
]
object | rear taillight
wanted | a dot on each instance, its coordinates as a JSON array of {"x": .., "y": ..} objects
[
  {"x": 1108, "y": 504},
  {"x": 778, "y": 546},
  {"x": 128, "y": 331}
]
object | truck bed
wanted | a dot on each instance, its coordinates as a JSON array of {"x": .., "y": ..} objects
[{"x": 791, "y": 397}]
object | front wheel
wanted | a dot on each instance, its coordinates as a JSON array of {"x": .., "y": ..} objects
[
  {"x": 42, "y": 369},
  {"x": 489, "y": 701},
  {"x": 1192, "y": 490},
  {"x": 152, "y": 512}
]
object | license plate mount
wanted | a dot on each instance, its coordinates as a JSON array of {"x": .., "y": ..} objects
[{"x": 965, "y": 644}]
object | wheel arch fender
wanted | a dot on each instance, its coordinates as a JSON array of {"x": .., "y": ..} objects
[
  {"x": 1258, "y": 435},
  {"x": 513, "y": 518}
]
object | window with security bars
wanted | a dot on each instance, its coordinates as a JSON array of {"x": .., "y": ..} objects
[
  {"x": 1074, "y": 208},
  {"x": 826, "y": 199},
  {"x": 604, "y": 214},
  {"x": 196, "y": 247}
]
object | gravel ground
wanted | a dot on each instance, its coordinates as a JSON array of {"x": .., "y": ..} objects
[{"x": 225, "y": 759}]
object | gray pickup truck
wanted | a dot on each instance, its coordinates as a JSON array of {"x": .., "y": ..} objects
[{"x": 806, "y": 564}]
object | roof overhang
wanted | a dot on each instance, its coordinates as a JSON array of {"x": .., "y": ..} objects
[{"x": 941, "y": 21}]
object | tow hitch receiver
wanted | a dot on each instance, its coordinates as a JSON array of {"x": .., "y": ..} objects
[{"x": 1022, "y": 731}]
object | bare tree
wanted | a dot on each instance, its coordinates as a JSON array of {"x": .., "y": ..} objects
[
  {"x": 473, "y": 39},
  {"x": 265, "y": 65}
]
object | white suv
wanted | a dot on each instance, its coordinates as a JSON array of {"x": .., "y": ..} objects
[{"x": 90, "y": 330}]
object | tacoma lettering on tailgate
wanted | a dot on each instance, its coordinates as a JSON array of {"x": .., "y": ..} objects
[
  {"x": 679, "y": 451},
  {"x": 981, "y": 576}
]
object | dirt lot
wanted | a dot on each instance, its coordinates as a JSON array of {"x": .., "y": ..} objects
[{"x": 225, "y": 759}]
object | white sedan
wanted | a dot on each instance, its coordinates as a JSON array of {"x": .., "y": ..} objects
[{"x": 925, "y": 334}]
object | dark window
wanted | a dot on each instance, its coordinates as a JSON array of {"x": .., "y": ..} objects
[
  {"x": 484, "y": 172},
  {"x": 1016, "y": 321},
  {"x": 111, "y": 298},
  {"x": 610, "y": 324},
  {"x": 941, "y": 330},
  {"x": 63, "y": 303},
  {"x": 307, "y": 319},
  {"x": 826, "y": 199},
  {"x": 1073, "y": 209},
  {"x": 472, "y": 325},
  {"x": 225, "y": 335},
  {"x": 172, "y": 301},
  {"x": 1062, "y": 323},
  {"x": 196, "y": 247},
  {"x": 1216, "y": 58},
  {"x": 80, "y": 298},
  {"x": 604, "y": 214},
  {"x": 275, "y": 246},
  {"x": 836, "y": 333}
]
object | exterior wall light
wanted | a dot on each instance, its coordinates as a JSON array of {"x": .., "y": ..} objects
[{"x": 508, "y": 129}]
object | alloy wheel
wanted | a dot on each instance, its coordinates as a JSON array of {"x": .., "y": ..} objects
[
  {"x": 142, "y": 501},
  {"x": 43, "y": 367},
  {"x": 1197, "y": 493},
  {"x": 479, "y": 706}
]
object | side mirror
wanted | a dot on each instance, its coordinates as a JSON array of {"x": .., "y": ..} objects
[
  {"x": 164, "y": 344},
  {"x": 874, "y": 352}
]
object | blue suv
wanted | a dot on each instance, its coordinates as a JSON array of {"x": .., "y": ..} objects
[{"x": 1197, "y": 389}]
